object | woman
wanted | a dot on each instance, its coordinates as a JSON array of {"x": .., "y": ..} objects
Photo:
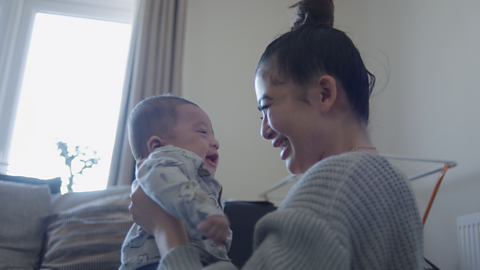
[{"x": 351, "y": 209}]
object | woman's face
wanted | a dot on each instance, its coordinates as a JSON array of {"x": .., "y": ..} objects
[{"x": 289, "y": 122}]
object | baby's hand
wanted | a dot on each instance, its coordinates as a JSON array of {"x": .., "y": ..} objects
[{"x": 215, "y": 228}]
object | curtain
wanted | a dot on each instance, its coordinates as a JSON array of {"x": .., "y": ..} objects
[{"x": 153, "y": 68}]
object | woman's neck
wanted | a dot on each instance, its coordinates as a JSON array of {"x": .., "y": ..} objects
[{"x": 350, "y": 135}]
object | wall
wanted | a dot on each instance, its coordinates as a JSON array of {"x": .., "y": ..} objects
[
  {"x": 224, "y": 41},
  {"x": 424, "y": 54}
]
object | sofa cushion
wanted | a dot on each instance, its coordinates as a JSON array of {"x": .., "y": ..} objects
[
  {"x": 23, "y": 209},
  {"x": 88, "y": 236},
  {"x": 54, "y": 184},
  {"x": 62, "y": 202}
]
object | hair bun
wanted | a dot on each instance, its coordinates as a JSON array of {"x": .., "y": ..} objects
[{"x": 313, "y": 13}]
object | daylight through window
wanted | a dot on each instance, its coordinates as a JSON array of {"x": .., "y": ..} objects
[{"x": 71, "y": 92}]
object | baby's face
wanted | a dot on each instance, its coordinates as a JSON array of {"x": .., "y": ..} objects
[{"x": 193, "y": 132}]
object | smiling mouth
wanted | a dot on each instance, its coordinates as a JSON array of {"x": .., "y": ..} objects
[
  {"x": 281, "y": 144},
  {"x": 284, "y": 144},
  {"x": 212, "y": 159}
]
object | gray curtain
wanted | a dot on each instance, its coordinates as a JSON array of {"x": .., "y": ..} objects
[{"x": 154, "y": 67}]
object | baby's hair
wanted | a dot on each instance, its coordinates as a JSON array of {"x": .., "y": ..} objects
[
  {"x": 314, "y": 48},
  {"x": 154, "y": 116}
]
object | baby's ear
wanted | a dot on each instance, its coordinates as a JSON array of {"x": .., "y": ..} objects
[{"x": 154, "y": 142}]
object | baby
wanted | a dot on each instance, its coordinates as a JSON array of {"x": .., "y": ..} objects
[{"x": 173, "y": 143}]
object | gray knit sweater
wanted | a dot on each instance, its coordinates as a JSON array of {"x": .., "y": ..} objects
[{"x": 351, "y": 211}]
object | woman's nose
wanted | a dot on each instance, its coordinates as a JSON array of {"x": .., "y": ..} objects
[{"x": 265, "y": 130}]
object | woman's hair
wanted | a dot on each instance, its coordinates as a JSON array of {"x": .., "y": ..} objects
[
  {"x": 154, "y": 116},
  {"x": 313, "y": 48}
]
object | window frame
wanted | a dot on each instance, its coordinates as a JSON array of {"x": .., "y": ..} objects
[{"x": 17, "y": 18}]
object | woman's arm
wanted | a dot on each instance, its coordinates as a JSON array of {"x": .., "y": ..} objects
[{"x": 286, "y": 239}]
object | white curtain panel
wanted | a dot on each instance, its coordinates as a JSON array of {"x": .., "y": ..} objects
[{"x": 154, "y": 67}]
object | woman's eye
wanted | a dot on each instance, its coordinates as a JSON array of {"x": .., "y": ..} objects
[{"x": 263, "y": 108}]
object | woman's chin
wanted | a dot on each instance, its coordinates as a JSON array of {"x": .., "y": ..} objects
[{"x": 292, "y": 167}]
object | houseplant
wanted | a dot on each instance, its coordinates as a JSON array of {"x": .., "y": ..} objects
[{"x": 81, "y": 156}]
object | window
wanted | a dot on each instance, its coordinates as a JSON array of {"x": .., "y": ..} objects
[{"x": 68, "y": 86}]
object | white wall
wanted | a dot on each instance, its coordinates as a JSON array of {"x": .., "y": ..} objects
[
  {"x": 426, "y": 57},
  {"x": 224, "y": 41}
]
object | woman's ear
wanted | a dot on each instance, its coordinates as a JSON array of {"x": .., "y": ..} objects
[
  {"x": 327, "y": 88},
  {"x": 154, "y": 142}
]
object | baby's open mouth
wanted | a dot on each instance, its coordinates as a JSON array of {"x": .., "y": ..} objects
[{"x": 213, "y": 159}]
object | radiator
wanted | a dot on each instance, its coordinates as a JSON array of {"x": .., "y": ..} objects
[{"x": 468, "y": 241}]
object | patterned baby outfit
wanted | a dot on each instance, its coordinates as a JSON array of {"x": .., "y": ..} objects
[{"x": 178, "y": 181}]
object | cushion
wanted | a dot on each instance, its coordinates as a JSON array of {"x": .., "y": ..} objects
[
  {"x": 72, "y": 199},
  {"x": 23, "y": 209},
  {"x": 54, "y": 184},
  {"x": 88, "y": 236}
]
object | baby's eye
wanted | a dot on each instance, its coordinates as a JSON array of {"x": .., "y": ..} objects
[{"x": 203, "y": 131}]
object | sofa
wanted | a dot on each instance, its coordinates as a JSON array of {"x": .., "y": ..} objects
[
  {"x": 83, "y": 230},
  {"x": 43, "y": 229}
]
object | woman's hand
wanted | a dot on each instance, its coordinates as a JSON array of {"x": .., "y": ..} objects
[{"x": 168, "y": 230}]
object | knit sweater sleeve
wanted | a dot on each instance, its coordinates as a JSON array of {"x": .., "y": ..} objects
[
  {"x": 353, "y": 211},
  {"x": 294, "y": 237},
  {"x": 285, "y": 239},
  {"x": 297, "y": 239}
]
